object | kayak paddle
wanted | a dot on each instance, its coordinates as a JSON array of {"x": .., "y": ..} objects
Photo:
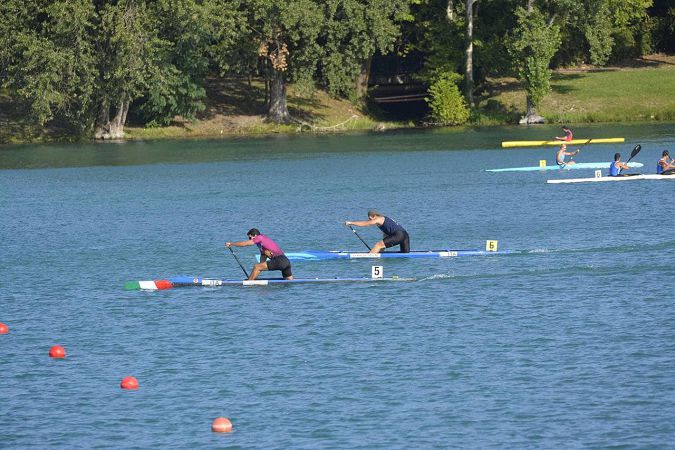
[
  {"x": 635, "y": 151},
  {"x": 239, "y": 262},
  {"x": 582, "y": 146}
]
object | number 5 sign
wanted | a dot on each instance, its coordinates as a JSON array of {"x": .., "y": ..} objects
[{"x": 376, "y": 272}]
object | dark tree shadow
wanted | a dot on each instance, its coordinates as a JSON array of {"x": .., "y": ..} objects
[
  {"x": 232, "y": 96},
  {"x": 16, "y": 124},
  {"x": 238, "y": 97}
]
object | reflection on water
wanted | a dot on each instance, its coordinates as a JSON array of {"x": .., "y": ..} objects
[{"x": 301, "y": 146}]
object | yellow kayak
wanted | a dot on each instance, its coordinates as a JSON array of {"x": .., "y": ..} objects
[{"x": 508, "y": 144}]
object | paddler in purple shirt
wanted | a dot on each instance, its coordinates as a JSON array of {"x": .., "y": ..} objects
[
  {"x": 394, "y": 234},
  {"x": 268, "y": 249}
]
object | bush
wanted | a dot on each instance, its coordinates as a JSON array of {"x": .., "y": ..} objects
[{"x": 446, "y": 102}]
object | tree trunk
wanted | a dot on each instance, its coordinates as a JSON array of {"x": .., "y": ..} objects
[
  {"x": 531, "y": 116},
  {"x": 362, "y": 80},
  {"x": 531, "y": 111},
  {"x": 278, "y": 111},
  {"x": 450, "y": 11},
  {"x": 468, "y": 73},
  {"x": 111, "y": 129}
]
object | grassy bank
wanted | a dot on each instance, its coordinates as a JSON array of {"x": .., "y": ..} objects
[
  {"x": 642, "y": 91},
  {"x": 235, "y": 107}
]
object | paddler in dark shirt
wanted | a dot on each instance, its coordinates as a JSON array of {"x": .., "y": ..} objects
[
  {"x": 666, "y": 164},
  {"x": 394, "y": 234}
]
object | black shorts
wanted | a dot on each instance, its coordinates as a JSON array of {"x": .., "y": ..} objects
[
  {"x": 280, "y": 263},
  {"x": 399, "y": 238}
]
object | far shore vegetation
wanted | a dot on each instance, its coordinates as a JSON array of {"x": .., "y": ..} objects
[
  {"x": 640, "y": 91},
  {"x": 133, "y": 69}
]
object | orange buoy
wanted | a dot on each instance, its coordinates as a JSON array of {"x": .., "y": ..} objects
[
  {"x": 221, "y": 425},
  {"x": 57, "y": 352},
  {"x": 4, "y": 329},
  {"x": 129, "y": 383}
]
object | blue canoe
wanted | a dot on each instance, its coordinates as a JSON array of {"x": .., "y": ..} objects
[
  {"x": 169, "y": 283},
  {"x": 588, "y": 165},
  {"x": 317, "y": 255}
]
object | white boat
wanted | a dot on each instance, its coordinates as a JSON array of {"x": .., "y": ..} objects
[{"x": 612, "y": 179}]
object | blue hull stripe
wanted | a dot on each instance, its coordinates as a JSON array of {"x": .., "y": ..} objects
[{"x": 315, "y": 255}]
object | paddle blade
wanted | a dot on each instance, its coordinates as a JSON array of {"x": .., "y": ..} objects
[{"x": 635, "y": 151}]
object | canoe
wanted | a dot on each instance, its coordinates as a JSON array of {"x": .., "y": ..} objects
[
  {"x": 588, "y": 165},
  {"x": 170, "y": 283},
  {"x": 608, "y": 179},
  {"x": 510, "y": 144},
  {"x": 318, "y": 255}
]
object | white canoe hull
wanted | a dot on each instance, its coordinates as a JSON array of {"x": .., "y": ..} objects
[{"x": 612, "y": 179}]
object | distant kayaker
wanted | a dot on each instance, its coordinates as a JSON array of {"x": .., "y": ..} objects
[
  {"x": 568, "y": 135},
  {"x": 666, "y": 164},
  {"x": 562, "y": 154},
  {"x": 394, "y": 234},
  {"x": 617, "y": 166},
  {"x": 268, "y": 249}
]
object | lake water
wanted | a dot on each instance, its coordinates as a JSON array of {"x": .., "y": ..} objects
[{"x": 568, "y": 343}]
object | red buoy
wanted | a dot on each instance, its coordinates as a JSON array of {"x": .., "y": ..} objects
[
  {"x": 129, "y": 383},
  {"x": 221, "y": 425},
  {"x": 57, "y": 352},
  {"x": 4, "y": 329}
]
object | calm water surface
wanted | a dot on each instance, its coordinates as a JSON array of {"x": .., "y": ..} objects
[{"x": 568, "y": 343}]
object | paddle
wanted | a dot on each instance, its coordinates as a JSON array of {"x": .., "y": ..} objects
[
  {"x": 579, "y": 149},
  {"x": 635, "y": 151},
  {"x": 357, "y": 235},
  {"x": 239, "y": 262}
]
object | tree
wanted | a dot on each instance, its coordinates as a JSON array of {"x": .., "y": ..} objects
[
  {"x": 445, "y": 101},
  {"x": 353, "y": 31},
  {"x": 88, "y": 62},
  {"x": 468, "y": 71},
  {"x": 437, "y": 32},
  {"x": 128, "y": 49},
  {"x": 532, "y": 46},
  {"x": 589, "y": 27},
  {"x": 47, "y": 59},
  {"x": 286, "y": 34}
]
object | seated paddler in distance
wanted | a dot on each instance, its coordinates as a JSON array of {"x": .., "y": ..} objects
[
  {"x": 560, "y": 157},
  {"x": 665, "y": 165},
  {"x": 617, "y": 166},
  {"x": 568, "y": 135},
  {"x": 394, "y": 234},
  {"x": 271, "y": 255}
]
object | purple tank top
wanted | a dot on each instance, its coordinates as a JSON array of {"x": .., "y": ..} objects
[{"x": 266, "y": 244}]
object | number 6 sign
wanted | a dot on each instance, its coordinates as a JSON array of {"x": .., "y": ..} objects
[{"x": 491, "y": 246}]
